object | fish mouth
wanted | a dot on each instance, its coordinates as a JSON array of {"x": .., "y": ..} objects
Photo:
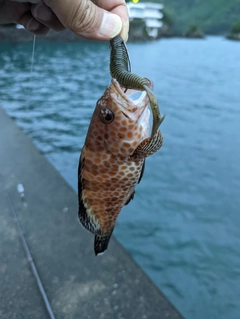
[
  {"x": 132, "y": 103},
  {"x": 135, "y": 96}
]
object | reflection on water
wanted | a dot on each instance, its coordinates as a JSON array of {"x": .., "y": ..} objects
[{"x": 183, "y": 225}]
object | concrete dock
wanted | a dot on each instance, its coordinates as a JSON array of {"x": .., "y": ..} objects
[{"x": 76, "y": 283}]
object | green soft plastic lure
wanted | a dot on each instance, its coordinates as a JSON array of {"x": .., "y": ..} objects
[{"x": 120, "y": 70}]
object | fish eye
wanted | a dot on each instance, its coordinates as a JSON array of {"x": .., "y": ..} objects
[{"x": 106, "y": 116}]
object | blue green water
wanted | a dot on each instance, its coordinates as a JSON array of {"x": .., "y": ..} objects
[{"x": 183, "y": 226}]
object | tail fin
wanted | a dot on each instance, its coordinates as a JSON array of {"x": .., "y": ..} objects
[{"x": 101, "y": 243}]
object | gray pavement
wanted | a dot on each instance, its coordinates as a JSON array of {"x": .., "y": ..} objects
[{"x": 77, "y": 284}]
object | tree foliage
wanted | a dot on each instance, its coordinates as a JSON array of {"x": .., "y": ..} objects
[
  {"x": 236, "y": 27},
  {"x": 212, "y": 16}
]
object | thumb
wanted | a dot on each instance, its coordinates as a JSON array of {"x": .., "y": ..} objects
[{"x": 86, "y": 19}]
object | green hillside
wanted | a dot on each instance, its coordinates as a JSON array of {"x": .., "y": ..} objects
[{"x": 212, "y": 16}]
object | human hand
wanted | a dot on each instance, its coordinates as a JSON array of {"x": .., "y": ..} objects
[{"x": 101, "y": 20}]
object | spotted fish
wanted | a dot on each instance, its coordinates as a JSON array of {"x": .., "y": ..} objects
[{"x": 113, "y": 158}]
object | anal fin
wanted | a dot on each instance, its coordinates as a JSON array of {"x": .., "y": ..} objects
[
  {"x": 142, "y": 171},
  {"x": 130, "y": 198},
  {"x": 148, "y": 146}
]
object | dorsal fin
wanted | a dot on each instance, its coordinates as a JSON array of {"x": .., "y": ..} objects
[{"x": 87, "y": 220}]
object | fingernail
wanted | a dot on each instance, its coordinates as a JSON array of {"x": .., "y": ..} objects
[
  {"x": 42, "y": 12},
  {"x": 111, "y": 25},
  {"x": 33, "y": 25}
]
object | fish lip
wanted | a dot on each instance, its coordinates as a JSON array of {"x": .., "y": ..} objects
[{"x": 131, "y": 109}]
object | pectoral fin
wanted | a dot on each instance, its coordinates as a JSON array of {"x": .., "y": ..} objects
[{"x": 148, "y": 146}]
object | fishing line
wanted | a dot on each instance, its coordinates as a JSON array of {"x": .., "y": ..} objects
[
  {"x": 32, "y": 59},
  {"x": 30, "y": 260},
  {"x": 28, "y": 100},
  {"x": 15, "y": 215}
]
